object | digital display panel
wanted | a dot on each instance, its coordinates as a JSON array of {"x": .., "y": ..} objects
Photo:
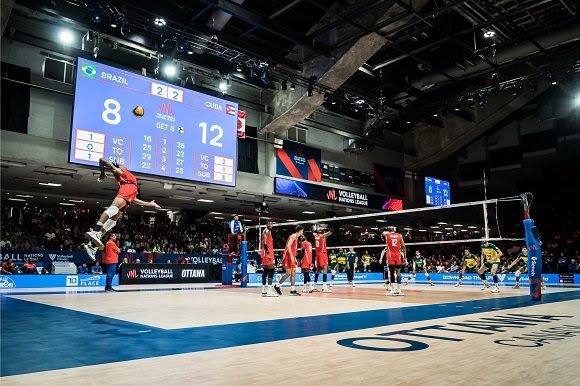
[
  {"x": 151, "y": 126},
  {"x": 437, "y": 192}
]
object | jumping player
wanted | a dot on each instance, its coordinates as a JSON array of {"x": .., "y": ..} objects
[
  {"x": 290, "y": 262},
  {"x": 268, "y": 260},
  {"x": 419, "y": 262},
  {"x": 469, "y": 264},
  {"x": 492, "y": 256},
  {"x": 306, "y": 262},
  {"x": 395, "y": 252},
  {"x": 126, "y": 195},
  {"x": 321, "y": 258}
]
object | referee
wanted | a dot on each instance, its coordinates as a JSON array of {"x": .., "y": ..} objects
[{"x": 352, "y": 260}]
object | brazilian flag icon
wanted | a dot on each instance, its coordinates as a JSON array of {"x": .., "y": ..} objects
[{"x": 89, "y": 70}]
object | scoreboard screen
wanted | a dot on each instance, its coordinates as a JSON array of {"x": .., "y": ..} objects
[
  {"x": 152, "y": 127},
  {"x": 437, "y": 192}
]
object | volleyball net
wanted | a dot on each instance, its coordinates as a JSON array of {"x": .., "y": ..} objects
[{"x": 459, "y": 226}]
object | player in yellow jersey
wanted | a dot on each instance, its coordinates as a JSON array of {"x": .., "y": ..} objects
[
  {"x": 469, "y": 264},
  {"x": 490, "y": 259},
  {"x": 366, "y": 261},
  {"x": 332, "y": 264}
]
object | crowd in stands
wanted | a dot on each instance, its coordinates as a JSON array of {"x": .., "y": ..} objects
[{"x": 32, "y": 228}]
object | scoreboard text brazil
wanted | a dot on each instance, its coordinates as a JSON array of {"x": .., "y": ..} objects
[{"x": 152, "y": 127}]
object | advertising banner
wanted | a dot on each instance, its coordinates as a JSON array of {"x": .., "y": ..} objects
[
  {"x": 165, "y": 273},
  {"x": 299, "y": 161},
  {"x": 301, "y": 189},
  {"x": 47, "y": 281}
]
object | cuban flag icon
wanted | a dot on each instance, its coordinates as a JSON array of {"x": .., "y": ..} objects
[{"x": 231, "y": 110}]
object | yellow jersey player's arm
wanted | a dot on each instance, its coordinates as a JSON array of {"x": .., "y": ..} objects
[
  {"x": 514, "y": 262},
  {"x": 499, "y": 252}
]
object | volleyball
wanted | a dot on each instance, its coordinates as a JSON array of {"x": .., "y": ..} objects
[
  {"x": 180, "y": 130},
  {"x": 139, "y": 111}
]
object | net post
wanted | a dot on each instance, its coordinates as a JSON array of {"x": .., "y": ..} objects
[{"x": 244, "y": 263}]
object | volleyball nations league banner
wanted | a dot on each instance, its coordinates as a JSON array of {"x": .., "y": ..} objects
[
  {"x": 316, "y": 192},
  {"x": 299, "y": 161}
]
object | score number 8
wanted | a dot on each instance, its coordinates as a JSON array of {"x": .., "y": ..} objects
[{"x": 112, "y": 109}]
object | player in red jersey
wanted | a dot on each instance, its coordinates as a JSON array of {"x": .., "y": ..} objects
[
  {"x": 126, "y": 195},
  {"x": 306, "y": 262},
  {"x": 395, "y": 253},
  {"x": 268, "y": 260},
  {"x": 321, "y": 258},
  {"x": 290, "y": 262}
]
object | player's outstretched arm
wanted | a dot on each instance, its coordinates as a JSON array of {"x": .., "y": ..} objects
[
  {"x": 151, "y": 203},
  {"x": 104, "y": 164}
]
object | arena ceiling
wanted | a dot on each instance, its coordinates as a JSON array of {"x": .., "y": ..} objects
[{"x": 399, "y": 62}]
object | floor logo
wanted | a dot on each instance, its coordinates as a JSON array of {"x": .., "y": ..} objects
[
  {"x": 89, "y": 70},
  {"x": 6, "y": 282}
]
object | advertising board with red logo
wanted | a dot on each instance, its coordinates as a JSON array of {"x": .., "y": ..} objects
[{"x": 305, "y": 190}]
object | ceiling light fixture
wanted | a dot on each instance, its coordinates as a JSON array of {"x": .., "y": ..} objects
[
  {"x": 204, "y": 200},
  {"x": 66, "y": 37},
  {"x": 159, "y": 22},
  {"x": 49, "y": 184},
  {"x": 308, "y": 212},
  {"x": 16, "y": 199},
  {"x": 489, "y": 34}
]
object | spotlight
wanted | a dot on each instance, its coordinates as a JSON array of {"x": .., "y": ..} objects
[
  {"x": 239, "y": 68},
  {"x": 190, "y": 50},
  {"x": 333, "y": 102},
  {"x": 223, "y": 86},
  {"x": 97, "y": 18},
  {"x": 284, "y": 85},
  {"x": 181, "y": 47},
  {"x": 114, "y": 23},
  {"x": 435, "y": 115},
  {"x": 159, "y": 22},
  {"x": 456, "y": 109},
  {"x": 292, "y": 86},
  {"x": 170, "y": 70},
  {"x": 489, "y": 34},
  {"x": 66, "y": 37},
  {"x": 554, "y": 83}
]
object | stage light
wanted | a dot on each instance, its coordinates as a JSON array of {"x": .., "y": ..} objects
[
  {"x": 66, "y": 37},
  {"x": 190, "y": 50},
  {"x": 239, "y": 68},
  {"x": 170, "y": 70},
  {"x": 96, "y": 18},
  {"x": 114, "y": 23},
  {"x": 223, "y": 86},
  {"x": 489, "y": 34},
  {"x": 159, "y": 22}
]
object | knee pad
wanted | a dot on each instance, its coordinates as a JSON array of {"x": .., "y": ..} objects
[
  {"x": 518, "y": 273},
  {"x": 111, "y": 211}
]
